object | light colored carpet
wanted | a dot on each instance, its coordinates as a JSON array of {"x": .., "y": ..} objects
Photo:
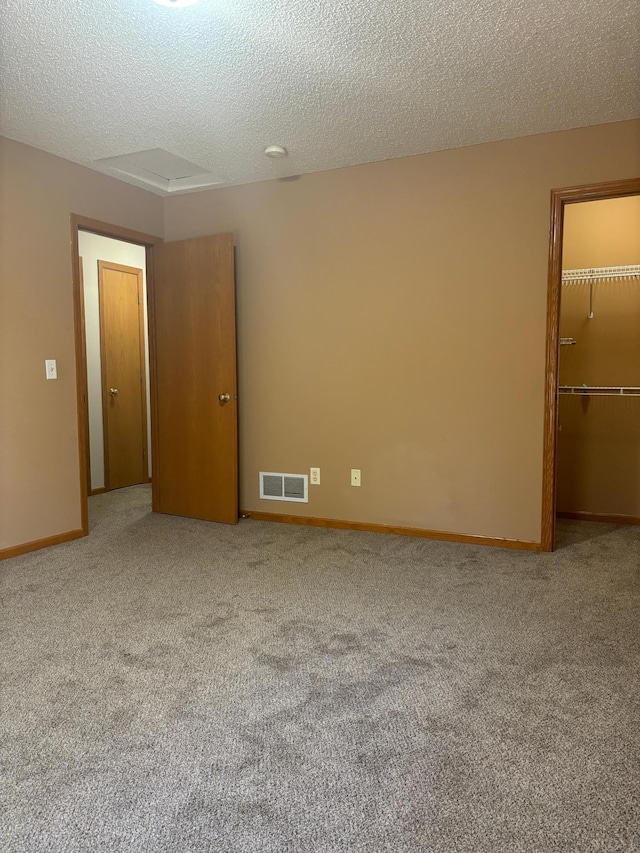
[{"x": 173, "y": 685}]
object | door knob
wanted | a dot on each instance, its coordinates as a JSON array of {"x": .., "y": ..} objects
[
  {"x": 113, "y": 392},
  {"x": 224, "y": 398}
]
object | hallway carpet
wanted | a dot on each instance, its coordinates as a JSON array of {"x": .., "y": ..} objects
[{"x": 172, "y": 685}]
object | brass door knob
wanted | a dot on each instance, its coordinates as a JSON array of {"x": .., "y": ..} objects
[
  {"x": 113, "y": 392},
  {"x": 224, "y": 398}
]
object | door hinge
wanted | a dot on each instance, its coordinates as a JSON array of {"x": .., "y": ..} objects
[
  {"x": 140, "y": 376},
  {"x": 138, "y": 299},
  {"x": 143, "y": 452}
]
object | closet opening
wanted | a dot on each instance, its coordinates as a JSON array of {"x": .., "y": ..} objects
[{"x": 592, "y": 402}]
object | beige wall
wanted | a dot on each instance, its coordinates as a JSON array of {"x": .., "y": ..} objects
[
  {"x": 94, "y": 248},
  {"x": 391, "y": 317},
  {"x": 599, "y": 439},
  {"x": 39, "y": 474},
  {"x": 601, "y": 234}
]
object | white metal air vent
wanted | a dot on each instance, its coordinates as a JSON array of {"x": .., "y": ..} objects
[
  {"x": 284, "y": 487},
  {"x": 162, "y": 170}
]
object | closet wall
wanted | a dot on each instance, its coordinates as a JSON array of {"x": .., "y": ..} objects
[{"x": 599, "y": 437}]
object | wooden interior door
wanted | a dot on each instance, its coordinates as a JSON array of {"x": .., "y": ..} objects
[
  {"x": 195, "y": 453},
  {"x": 124, "y": 404}
]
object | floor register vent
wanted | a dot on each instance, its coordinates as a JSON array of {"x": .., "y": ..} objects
[{"x": 284, "y": 487}]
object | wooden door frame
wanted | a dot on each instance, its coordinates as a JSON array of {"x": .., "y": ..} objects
[
  {"x": 111, "y": 265},
  {"x": 115, "y": 232},
  {"x": 560, "y": 198}
]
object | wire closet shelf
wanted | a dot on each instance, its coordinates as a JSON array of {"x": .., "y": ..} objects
[
  {"x": 589, "y": 276},
  {"x": 600, "y": 390},
  {"x": 599, "y": 274}
]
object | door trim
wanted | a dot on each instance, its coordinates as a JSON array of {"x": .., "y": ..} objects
[
  {"x": 105, "y": 229},
  {"x": 83, "y": 345},
  {"x": 560, "y": 198},
  {"x": 111, "y": 265}
]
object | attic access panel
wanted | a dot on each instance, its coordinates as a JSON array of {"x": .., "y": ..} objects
[{"x": 161, "y": 170}]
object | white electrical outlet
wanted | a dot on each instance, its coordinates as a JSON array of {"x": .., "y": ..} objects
[
  {"x": 355, "y": 477},
  {"x": 314, "y": 476},
  {"x": 51, "y": 368}
]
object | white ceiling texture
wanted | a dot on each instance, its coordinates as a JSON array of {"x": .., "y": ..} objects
[{"x": 337, "y": 82}]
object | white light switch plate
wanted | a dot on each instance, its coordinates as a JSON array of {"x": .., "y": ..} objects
[{"x": 51, "y": 368}]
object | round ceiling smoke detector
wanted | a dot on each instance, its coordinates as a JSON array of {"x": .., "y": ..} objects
[{"x": 275, "y": 151}]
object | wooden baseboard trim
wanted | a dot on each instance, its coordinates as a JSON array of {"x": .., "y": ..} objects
[
  {"x": 58, "y": 539},
  {"x": 365, "y": 527},
  {"x": 596, "y": 516}
]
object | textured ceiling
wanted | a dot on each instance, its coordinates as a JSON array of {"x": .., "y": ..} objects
[{"x": 337, "y": 82}]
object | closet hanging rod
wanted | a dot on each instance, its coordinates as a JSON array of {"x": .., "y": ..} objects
[
  {"x": 601, "y": 390},
  {"x": 600, "y": 273}
]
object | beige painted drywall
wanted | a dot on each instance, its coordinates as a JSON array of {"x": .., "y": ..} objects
[
  {"x": 599, "y": 437},
  {"x": 601, "y": 233},
  {"x": 39, "y": 468},
  {"x": 391, "y": 317},
  {"x": 94, "y": 248}
]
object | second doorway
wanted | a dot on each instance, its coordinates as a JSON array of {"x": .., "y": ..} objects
[{"x": 117, "y": 353}]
